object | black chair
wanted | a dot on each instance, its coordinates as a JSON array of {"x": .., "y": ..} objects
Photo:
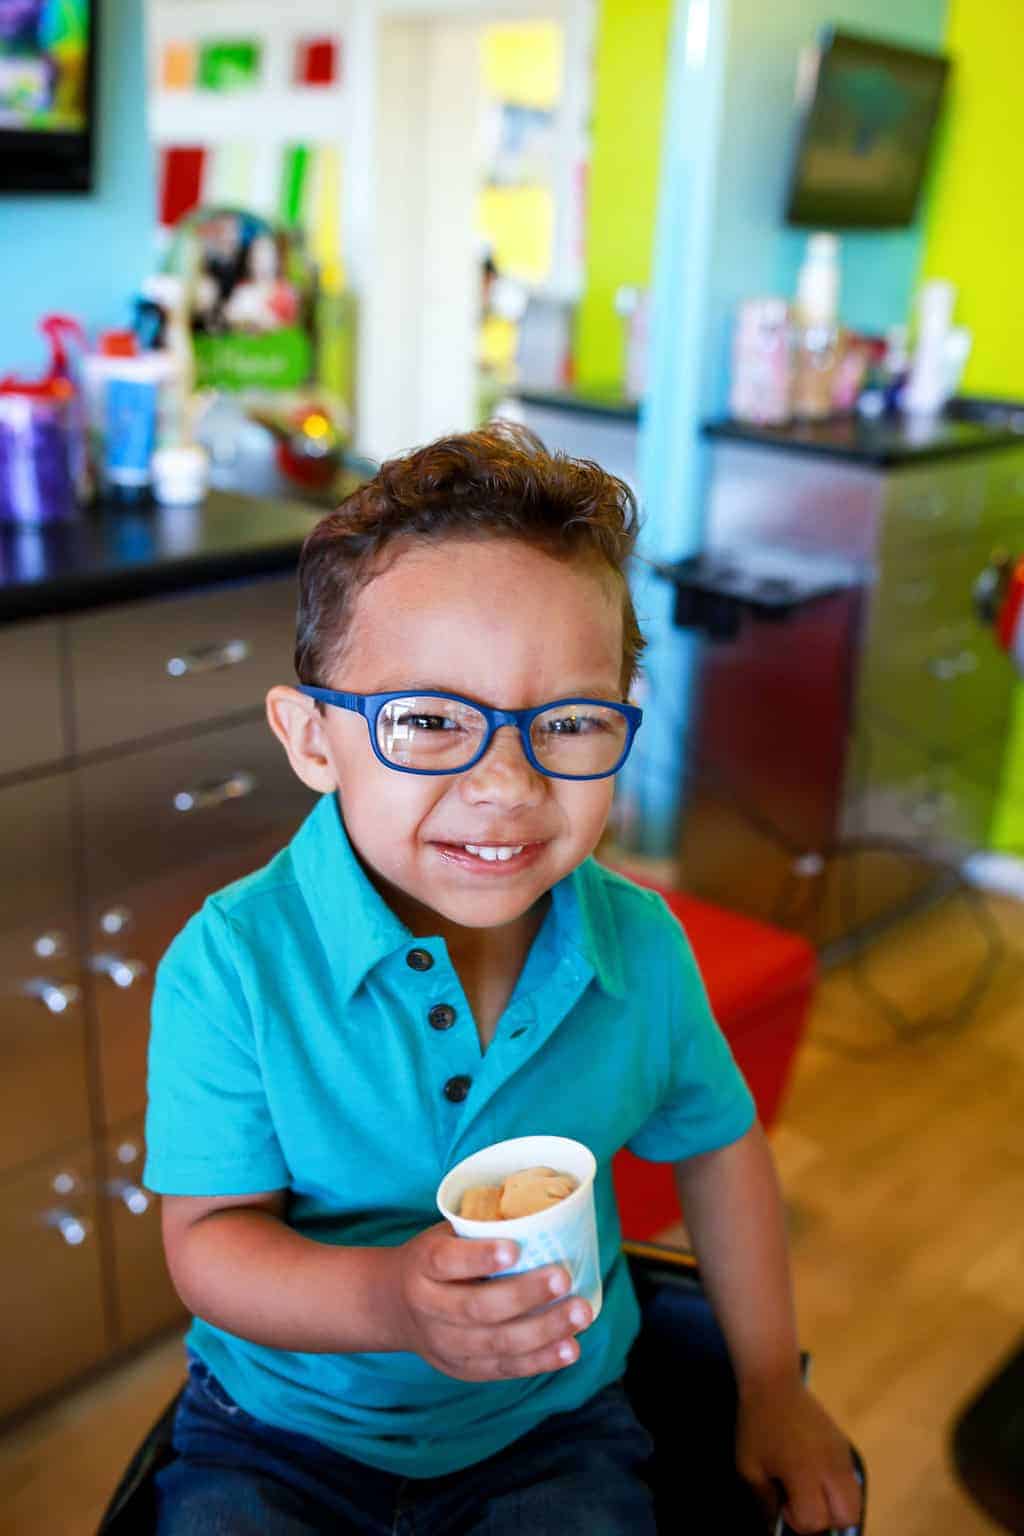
[{"x": 681, "y": 1385}]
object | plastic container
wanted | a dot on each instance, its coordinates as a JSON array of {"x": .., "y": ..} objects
[
  {"x": 131, "y": 410},
  {"x": 179, "y": 476},
  {"x": 37, "y": 458},
  {"x": 564, "y": 1234}
]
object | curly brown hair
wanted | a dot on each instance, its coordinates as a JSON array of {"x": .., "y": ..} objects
[{"x": 499, "y": 481}]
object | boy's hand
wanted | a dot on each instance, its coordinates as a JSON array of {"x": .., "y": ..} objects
[
  {"x": 477, "y": 1329},
  {"x": 784, "y": 1435}
]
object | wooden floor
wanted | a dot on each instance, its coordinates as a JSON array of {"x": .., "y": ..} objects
[{"x": 902, "y": 1159}]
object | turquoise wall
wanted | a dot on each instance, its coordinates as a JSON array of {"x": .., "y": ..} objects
[
  {"x": 730, "y": 126},
  {"x": 754, "y": 251},
  {"x": 86, "y": 254}
]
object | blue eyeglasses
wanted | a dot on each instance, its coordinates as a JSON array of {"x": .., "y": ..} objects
[{"x": 445, "y": 733}]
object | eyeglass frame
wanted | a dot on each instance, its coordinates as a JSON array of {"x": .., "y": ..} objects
[{"x": 369, "y": 705}]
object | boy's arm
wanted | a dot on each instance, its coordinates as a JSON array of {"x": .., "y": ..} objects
[
  {"x": 237, "y": 1264},
  {"x": 733, "y": 1210}
]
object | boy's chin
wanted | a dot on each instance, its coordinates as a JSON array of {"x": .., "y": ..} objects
[{"x": 488, "y": 909}]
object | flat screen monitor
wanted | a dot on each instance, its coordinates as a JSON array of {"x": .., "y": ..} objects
[
  {"x": 866, "y": 136},
  {"x": 47, "y": 67}
]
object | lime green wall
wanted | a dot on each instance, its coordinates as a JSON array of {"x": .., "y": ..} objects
[
  {"x": 975, "y": 221},
  {"x": 629, "y": 94},
  {"x": 975, "y": 235}
]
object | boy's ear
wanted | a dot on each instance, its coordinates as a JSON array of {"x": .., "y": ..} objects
[{"x": 299, "y": 727}]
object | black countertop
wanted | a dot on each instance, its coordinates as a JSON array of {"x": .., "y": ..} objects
[
  {"x": 592, "y": 402},
  {"x": 115, "y": 556},
  {"x": 886, "y": 444}
]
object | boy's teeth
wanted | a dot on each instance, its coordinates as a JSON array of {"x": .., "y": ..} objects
[{"x": 492, "y": 855}]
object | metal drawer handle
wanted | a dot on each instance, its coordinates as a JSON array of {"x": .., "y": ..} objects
[
  {"x": 208, "y": 658},
  {"x": 206, "y": 796},
  {"x": 945, "y": 668},
  {"x": 121, "y": 972},
  {"x": 929, "y": 507},
  {"x": 58, "y": 996},
  {"x": 71, "y": 1227},
  {"x": 115, "y": 920},
  {"x": 933, "y": 805},
  {"x": 51, "y": 946},
  {"x": 914, "y": 593},
  {"x": 131, "y": 1196}
]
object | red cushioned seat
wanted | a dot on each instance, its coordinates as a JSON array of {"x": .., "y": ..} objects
[{"x": 760, "y": 981}]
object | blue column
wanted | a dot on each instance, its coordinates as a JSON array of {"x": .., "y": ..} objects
[{"x": 671, "y": 460}]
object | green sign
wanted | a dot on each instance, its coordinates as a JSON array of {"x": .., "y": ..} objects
[{"x": 282, "y": 359}]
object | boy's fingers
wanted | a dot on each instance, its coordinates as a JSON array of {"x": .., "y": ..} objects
[
  {"x": 845, "y": 1498},
  {"x": 523, "y": 1337},
  {"x": 503, "y": 1300},
  {"x": 807, "y": 1509},
  {"x": 552, "y": 1357},
  {"x": 459, "y": 1258}
]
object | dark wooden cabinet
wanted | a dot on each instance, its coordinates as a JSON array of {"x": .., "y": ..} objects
[
  {"x": 53, "y": 1322},
  {"x": 44, "y": 1099},
  {"x": 129, "y": 793},
  {"x": 144, "y": 1299}
]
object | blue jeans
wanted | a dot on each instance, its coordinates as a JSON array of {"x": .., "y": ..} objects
[{"x": 577, "y": 1474}]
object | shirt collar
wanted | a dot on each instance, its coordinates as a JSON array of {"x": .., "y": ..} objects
[
  {"x": 354, "y": 923},
  {"x": 358, "y": 929}
]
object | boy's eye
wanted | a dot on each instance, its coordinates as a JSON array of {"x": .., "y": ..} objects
[
  {"x": 426, "y": 722},
  {"x": 573, "y": 725}
]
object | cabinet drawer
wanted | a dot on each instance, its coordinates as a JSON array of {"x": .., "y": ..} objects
[
  {"x": 52, "y": 1323},
  {"x": 145, "y": 1299},
  {"x": 149, "y": 866},
  {"x": 1004, "y": 494},
  {"x": 945, "y": 692},
  {"x": 43, "y": 1078},
  {"x": 940, "y": 809},
  {"x": 927, "y": 591},
  {"x": 177, "y": 661},
  {"x": 934, "y": 502},
  {"x": 30, "y": 686}
]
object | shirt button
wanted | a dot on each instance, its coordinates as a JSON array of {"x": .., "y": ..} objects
[
  {"x": 456, "y": 1089},
  {"x": 419, "y": 959},
  {"x": 441, "y": 1016}
]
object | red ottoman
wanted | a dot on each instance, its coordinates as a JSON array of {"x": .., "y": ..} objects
[{"x": 760, "y": 981}]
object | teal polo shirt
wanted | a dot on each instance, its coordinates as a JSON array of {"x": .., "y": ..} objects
[{"x": 304, "y": 1040}]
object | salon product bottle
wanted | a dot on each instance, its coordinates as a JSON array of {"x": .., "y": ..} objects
[
  {"x": 816, "y": 350},
  {"x": 762, "y": 368}
]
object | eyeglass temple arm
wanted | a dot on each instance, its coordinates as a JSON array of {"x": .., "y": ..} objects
[{"x": 354, "y": 701}]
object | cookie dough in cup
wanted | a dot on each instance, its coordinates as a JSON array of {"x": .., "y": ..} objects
[{"x": 565, "y": 1233}]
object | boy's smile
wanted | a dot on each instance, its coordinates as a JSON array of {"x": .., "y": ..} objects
[{"x": 499, "y": 622}]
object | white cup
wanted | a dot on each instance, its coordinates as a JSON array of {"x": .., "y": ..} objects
[
  {"x": 179, "y": 475},
  {"x": 565, "y": 1233}
]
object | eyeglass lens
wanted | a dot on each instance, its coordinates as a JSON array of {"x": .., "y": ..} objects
[{"x": 576, "y": 740}]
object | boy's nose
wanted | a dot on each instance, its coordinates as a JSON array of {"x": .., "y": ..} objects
[{"x": 504, "y": 773}]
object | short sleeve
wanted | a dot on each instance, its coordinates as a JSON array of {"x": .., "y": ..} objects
[
  {"x": 208, "y": 1124},
  {"x": 706, "y": 1102}
]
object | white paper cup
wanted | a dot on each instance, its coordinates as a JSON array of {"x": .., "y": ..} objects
[{"x": 566, "y": 1233}]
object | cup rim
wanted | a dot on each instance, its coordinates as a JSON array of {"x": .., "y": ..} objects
[{"x": 510, "y": 1226}]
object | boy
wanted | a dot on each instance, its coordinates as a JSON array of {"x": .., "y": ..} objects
[{"x": 435, "y": 963}]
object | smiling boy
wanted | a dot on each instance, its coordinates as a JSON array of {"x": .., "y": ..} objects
[{"x": 435, "y": 963}]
